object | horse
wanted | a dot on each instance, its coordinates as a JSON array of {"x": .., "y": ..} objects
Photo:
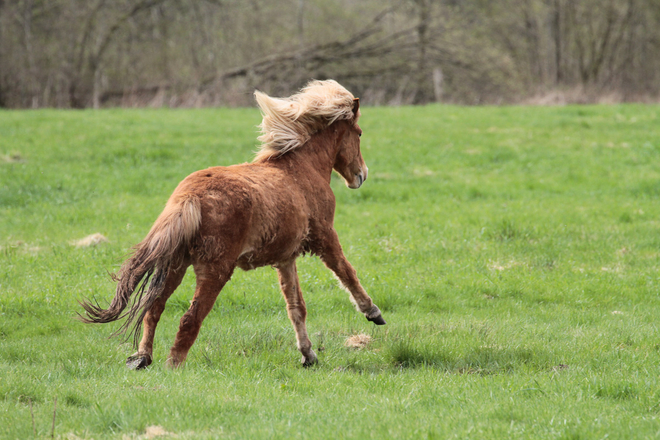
[{"x": 264, "y": 213}]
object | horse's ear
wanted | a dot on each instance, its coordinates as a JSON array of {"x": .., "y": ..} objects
[{"x": 356, "y": 107}]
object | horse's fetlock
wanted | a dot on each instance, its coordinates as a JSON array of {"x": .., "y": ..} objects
[
  {"x": 373, "y": 312},
  {"x": 176, "y": 359},
  {"x": 305, "y": 346}
]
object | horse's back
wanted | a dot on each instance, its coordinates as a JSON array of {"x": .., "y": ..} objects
[{"x": 251, "y": 212}]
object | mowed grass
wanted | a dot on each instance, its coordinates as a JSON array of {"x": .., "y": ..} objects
[{"x": 513, "y": 251}]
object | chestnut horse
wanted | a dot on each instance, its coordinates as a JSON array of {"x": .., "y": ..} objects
[{"x": 267, "y": 212}]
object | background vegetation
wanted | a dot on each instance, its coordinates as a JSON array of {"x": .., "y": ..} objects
[
  {"x": 192, "y": 53},
  {"x": 514, "y": 253}
]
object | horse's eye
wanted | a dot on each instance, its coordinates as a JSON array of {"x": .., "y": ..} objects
[{"x": 359, "y": 134}]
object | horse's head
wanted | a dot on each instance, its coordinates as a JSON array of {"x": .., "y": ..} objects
[{"x": 349, "y": 163}]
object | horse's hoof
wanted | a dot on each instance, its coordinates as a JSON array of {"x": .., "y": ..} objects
[
  {"x": 378, "y": 320},
  {"x": 308, "y": 361},
  {"x": 138, "y": 361},
  {"x": 375, "y": 316}
]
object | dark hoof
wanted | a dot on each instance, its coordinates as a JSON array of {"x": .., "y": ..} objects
[
  {"x": 378, "y": 320},
  {"x": 308, "y": 361},
  {"x": 138, "y": 362}
]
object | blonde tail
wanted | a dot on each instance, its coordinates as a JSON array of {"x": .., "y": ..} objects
[{"x": 163, "y": 248}]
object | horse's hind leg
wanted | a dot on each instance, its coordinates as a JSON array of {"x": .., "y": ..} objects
[
  {"x": 295, "y": 307},
  {"x": 144, "y": 355},
  {"x": 211, "y": 278}
]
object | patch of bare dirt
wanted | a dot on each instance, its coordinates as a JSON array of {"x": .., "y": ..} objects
[{"x": 12, "y": 158}]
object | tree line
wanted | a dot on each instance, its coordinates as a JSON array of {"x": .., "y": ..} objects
[{"x": 96, "y": 53}]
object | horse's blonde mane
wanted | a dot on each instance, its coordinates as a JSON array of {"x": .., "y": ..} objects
[{"x": 290, "y": 122}]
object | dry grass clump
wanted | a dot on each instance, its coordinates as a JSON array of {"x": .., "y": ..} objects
[
  {"x": 150, "y": 432},
  {"x": 91, "y": 240},
  {"x": 358, "y": 341}
]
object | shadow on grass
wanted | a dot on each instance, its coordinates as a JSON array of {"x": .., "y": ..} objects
[
  {"x": 482, "y": 360},
  {"x": 508, "y": 230},
  {"x": 616, "y": 391}
]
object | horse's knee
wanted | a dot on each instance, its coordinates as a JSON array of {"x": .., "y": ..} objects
[{"x": 297, "y": 314}]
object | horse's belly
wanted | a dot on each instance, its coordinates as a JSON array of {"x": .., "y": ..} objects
[
  {"x": 252, "y": 260},
  {"x": 279, "y": 249}
]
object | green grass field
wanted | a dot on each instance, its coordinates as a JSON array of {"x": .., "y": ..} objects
[{"x": 513, "y": 251}]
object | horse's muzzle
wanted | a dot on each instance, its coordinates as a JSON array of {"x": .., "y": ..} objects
[{"x": 360, "y": 178}]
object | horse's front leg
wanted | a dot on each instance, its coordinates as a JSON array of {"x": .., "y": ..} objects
[
  {"x": 295, "y": 307},
  {"x": 144, "y": 355},
  {"x": 333, "y": 257}
]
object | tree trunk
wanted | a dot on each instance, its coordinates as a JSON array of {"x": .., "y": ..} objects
[
  {"x": 29, "y": 54},
  {"x": 557, "y": 34},
  {"x": 421, "y": 75}
]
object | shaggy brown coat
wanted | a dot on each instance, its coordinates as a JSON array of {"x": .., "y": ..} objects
[{"x": 267, "y": 212}]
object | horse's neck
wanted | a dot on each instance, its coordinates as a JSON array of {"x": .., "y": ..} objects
[{"x": 317, "y": 154}]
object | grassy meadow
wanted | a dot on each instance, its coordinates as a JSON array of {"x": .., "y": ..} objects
[{"x": 514, "y": 253}]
